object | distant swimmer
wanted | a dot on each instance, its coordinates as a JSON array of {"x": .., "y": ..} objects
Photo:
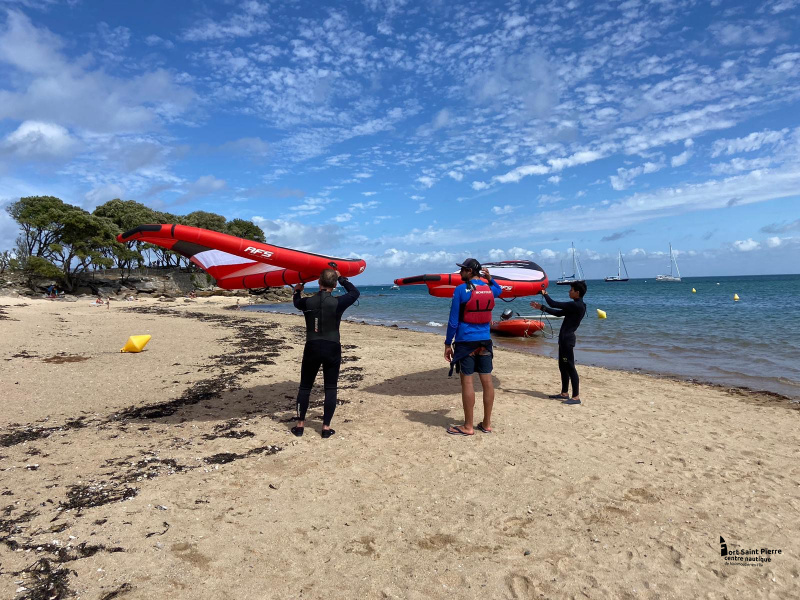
[
  {"x": 323, "y": 314},
  {"x": 573, "y": 312},
  {"x": 470, "y": 317}
]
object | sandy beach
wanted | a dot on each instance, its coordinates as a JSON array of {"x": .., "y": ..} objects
[{"x": 172, "y": 474}]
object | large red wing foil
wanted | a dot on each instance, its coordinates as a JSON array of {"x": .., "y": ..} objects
[
  {"x": 515, "y": 277},
  {"x": 236, "y": 263}
]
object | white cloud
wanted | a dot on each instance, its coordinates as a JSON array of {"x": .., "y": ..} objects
[
  {"x": 343, "y": 218},
  {"x": 680, "y": 159},
  {"x": 416, "y": 197},
  {"x": 774, "y": 242},
  {"x": 291, "y": 234},
  {"x": 251, "y": 21},
  {"x": 503, "y": 210},
  {"x": 555, "y": 179},
  {"x": 748, "y": 143},
  {"x": 625, "y": 177},
  {"x": 368, "y": 193},
  {"x": 746, "y": 245},
  {"x": 426, "y": 181},
  {"x": 457, "y": 175},
  {"x": 36, "y": 140},
  {"x": 364, "y": 205},
  {"x": 517, "y": 174},
  {"x": 479, "y": 185},
  {"x": 423, "y": 207},
  {"x": 203, "y": 186},
  {"x": 103, "y": 194}
]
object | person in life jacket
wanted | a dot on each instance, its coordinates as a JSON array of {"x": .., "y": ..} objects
[
  {"x": 468, "y": 327},
  {"x": 323, "y": 313}
]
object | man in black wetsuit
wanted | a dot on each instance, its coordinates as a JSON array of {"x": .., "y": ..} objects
[
  {"x": 323, "y": 313},
  {"x": 573, "y": 312}
]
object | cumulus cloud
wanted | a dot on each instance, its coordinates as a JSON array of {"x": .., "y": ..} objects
[
  {"x": 423, "y": 207},
  {"x": 426, "y": 181},
  {"x": 202, "y": 187},
  {"x": 102, "y": 194},
  {"x": 774, "y": 242},
  {"x": 625, "y": 177},
  {"x": 35, "y": 140},
  {"x": 479, "y": 185},
  {"x": 310, "y": 238},
  {"x": 368, "y": 194},
  {"x": 747, "y": 245}
]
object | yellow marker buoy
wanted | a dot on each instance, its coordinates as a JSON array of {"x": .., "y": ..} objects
[
  {"x": 601, "y": 314},
  {"x": 136, "y": 343},
  {"x": 694, "y": 291},
  {"x": 736, "y": 297}
]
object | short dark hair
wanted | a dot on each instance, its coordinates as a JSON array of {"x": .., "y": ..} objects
[
  {"x": 579, "y": 286},
  {"x": 328, "y": 278}
]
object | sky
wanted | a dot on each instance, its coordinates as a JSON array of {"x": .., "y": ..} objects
[{"x": 416, "y": 134}]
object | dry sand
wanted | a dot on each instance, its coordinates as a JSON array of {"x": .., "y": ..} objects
[{"x": 111, "y": 483}]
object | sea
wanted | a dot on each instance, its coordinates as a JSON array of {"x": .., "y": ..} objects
[{"x": 655, "y": 327}]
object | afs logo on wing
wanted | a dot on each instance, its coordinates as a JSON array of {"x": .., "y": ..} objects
[
  {"x": 723, "y": 546},
  {"x": 258, "y": 252}
]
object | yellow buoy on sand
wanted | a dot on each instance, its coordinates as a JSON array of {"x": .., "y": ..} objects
[
  {"x": 136, "y": 343},
  {"x": 601, "y": 314},
  {"x": 694, "y": 291},
  {"x": 736, "y": 297}
]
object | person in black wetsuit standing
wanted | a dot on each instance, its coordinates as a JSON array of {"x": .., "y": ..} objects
[
  {"x": 323, "y": 314},
  {"x": 573, "y": 312}
]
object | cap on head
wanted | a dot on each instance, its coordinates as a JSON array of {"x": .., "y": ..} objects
[{"x": 471, "y": 264}]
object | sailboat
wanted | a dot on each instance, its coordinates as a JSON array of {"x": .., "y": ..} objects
[
  {"x": 577, "y": 272},
  {"x": 620, "y": 266},
  {"x": 672, "y": 261}
]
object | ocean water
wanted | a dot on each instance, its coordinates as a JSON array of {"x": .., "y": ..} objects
[{"x": 653, "y": 327}]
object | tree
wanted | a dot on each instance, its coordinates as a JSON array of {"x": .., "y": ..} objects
[
  {"x": 58, "y": 239},
  {"x": 126, "y": 215},
  {"x": 205, "y": 220},
  {"x": 40, "y": 218},
  {"x": 245, "y": 229},
  {"x": 5, "y": 260}
]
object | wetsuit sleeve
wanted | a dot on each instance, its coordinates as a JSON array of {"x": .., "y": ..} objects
[
  {"x": 452, "y": 321},
  {"x": 496, "y": 289},
  {"x": 556, "y": 312},
  {"x": 567, "y": 306},
  {"x": 347, "y": 299},
  {"x": 298, "y": 301}
]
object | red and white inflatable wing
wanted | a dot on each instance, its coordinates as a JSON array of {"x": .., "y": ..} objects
[
  {"x": 515, "y": 277},
  {"x": 237, "y": 263}
]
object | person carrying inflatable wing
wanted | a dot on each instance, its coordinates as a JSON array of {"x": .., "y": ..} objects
[
  {"x": 573, "y": 312},
  {"x": 323, "y": 314},
  {"x": 470, "y": 317}
]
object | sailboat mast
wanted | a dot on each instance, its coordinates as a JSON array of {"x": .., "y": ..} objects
[
  {"x": 670, "y": 259},
  {"x": 619, "y": 263},
  {"x": 574, "y": 268}
]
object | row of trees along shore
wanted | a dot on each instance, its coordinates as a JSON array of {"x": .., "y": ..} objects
[{"x": 64, "y": 242}]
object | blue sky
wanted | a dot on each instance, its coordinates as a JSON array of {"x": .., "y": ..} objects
[{"x": 416, "y": 134}]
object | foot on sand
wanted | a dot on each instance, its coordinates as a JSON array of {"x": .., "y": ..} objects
[
  {"x": 326, "y": 433},
  {"x": 559, "y": 397},
  {"x": 482, "y": 428},
  {"x": 572, "y": 401},
  {"x": 298, "y": 431},
  {"x": 458, "y": 430}
]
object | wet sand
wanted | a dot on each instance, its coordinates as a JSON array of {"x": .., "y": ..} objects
[{"x": 171, "y": 473}]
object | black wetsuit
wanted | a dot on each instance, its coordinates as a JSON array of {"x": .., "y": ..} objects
[
  {"x": 573, "y": 312},
  {"x": 323, "y": 314}
]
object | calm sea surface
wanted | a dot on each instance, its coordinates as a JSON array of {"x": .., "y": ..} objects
[{"x": 655, "y": 327}]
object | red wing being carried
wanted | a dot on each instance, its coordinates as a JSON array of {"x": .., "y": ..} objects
[
  {"x": 515, "y": 277},
  {"x": 237, "y": 263}
]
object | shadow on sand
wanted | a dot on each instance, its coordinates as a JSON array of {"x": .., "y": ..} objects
[{"x": 425, "y": 383}]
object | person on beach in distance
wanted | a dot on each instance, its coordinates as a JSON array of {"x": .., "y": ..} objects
[
  {"x": 323, "y": 314},
  {"x": 573, "y": 312},
  {"x": 470, "y": 317}
]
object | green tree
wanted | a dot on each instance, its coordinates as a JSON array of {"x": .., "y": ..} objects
[
  {"x": 126, "y": 215},
  {"x": 245, "y": 229},
  {"x": 41, "y": 221},
  {"x": 5, "y": 260},
  {"x": 205, "y": 220}
]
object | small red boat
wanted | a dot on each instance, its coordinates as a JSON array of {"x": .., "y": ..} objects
[{"x": 516, "y": 327}]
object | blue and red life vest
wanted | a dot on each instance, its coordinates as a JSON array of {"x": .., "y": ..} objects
[{"x": 478, "y": 309}]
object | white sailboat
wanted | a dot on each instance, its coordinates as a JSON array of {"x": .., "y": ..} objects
[
  {"x": 577, "y": 271},
  {"x": 620, "y": 267},
  {"x": 672, "y": 261}
]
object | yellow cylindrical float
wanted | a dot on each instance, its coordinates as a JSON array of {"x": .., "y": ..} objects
[
  {"x": 736, "y": 297},
  {"x": 601, "y": 314},
  {"x": 694, "y": 291},
  {"x": 136, "y": 343}
]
